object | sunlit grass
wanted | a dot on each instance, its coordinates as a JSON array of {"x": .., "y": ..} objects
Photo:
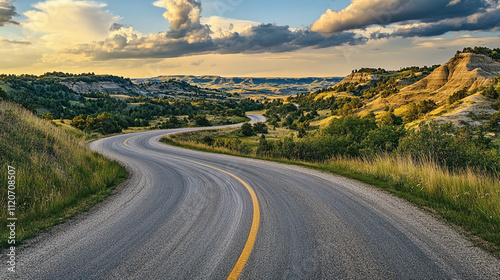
[
  {"x": 468, "y": 198},
  {"x": 57, "y": 174}
]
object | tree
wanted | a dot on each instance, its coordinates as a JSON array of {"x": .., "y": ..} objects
[
  {"x": 201, "y": 120},
  {"x": 302, "y": 133},
  {"x": 389, "y": 118},
  {"x": 48, "y": 117},
  {"x": 79, "y": 122},
  {"x": 3, "y": 95},
  {"x": 260, "y": 127},
  {"x": 417, "y": 110},
  {"x": 247, "y": 130},
  {"x": 353, "y": 128},
  {"x": 107, "y": 124}
]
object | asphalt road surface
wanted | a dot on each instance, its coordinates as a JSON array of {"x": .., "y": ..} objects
[{"x": 190, "y": 215}]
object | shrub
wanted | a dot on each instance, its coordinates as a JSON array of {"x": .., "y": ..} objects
[
  {"x": 247, "y": 130},
  {"x": 417, "y": 110},
  {"x": 459, "y": 95},
  {"x": 260, "y": 127},
  {"x": 455, "y": 149},
  {"x": 201, "y": 120}
]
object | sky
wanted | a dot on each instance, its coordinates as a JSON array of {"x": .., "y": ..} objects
[{"x": 257, "y": 38}]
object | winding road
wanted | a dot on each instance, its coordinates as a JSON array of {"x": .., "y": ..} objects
[{"x": 186, "y": 214}]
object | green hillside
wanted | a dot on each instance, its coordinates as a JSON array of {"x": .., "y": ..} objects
[{"x": 56, "y": 174}]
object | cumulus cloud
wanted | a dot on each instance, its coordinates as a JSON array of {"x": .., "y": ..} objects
[
  {"x": 63, "y": 21},
  {"x": 7, "y": 12},
  {"x": 117, "y": 26},
  {"x": 255, "y": 39},
  {"x": 189, "y": 35},
  {"x": 273, "y": 38},
  {"x": 220, "y": 26},
  {"x": 184, "y": 18},
  {"x": 363, "y": 13}
]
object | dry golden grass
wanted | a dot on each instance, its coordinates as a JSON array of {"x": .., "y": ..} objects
[{"x": 478, "y": 190}]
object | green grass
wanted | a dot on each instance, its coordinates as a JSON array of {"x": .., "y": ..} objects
[
  {"x": 57, "y": 175},
  {"x": 468, "y": 199}
]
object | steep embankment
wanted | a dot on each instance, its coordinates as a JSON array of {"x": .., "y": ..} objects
[{"x": 56, "y": 174}]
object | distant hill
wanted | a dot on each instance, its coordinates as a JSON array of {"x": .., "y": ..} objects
[
  {"x": 64, "y": 94},
  {"x": 270, "y": 86}
]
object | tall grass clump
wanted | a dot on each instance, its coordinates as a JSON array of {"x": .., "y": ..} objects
[
  {"x": 466, "y": 197},
  {"x": 57, "y": 175}
]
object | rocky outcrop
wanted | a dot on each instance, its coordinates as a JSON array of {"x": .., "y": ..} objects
[
  {"x": 359, "y": 77},
  {"x": 105, "y": 87},
  {"x": 474, "y": 105},
  {"x": 465, "y": 70}
]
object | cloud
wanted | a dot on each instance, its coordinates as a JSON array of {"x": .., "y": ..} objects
[
  {"x": 363, "y": 13},
  {"x": 184, "y": 18},
  {"x": 117, "y": 26},
  {"x": 189, "y": 36},
  {"x": 275, "y": 39},
  {"x": 70, "y": 30},
  {"x": 159, "y": 4},
  {"x": 7, "y": 12},
  {"x": 220, "y": 26},
  {"x": 63, "y": 21},
  {"x": 198, "y": 62},
  {"x": 263, "y": 38},
  {"x": 14, "y": 42},
  {"x": 482, "y": 21}
]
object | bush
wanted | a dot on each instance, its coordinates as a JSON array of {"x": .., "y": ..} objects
[
  {"x": 455, "y": 149},
  {"x": 417, "y": 110},
  {"x": 459, "y": 95},
  {"x": 247, "y": 130},
  {"x": 104, "y": 123},
  {"x": 491, "y": 92},
  {"x": 3, "y": 94},
  {"x": 201, "y": 120},
  {"x": 261, "y": 128},
  {"x": 383, "y": 139},
  {"x": 353, "y": 128}
]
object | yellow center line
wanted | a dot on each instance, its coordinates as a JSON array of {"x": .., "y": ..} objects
[{"x": 252, "y": 236}]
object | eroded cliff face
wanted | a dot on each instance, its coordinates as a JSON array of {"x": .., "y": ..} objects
[
  {"x": 106, "y": 87},
  {"x": 359, "y": 77},
  {"x": 464, "y": 70}
]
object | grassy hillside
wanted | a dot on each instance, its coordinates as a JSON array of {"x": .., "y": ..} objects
[{"x": 56, "y": 174}]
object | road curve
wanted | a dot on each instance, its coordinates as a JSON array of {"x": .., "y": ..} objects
[{"x": 187, "y": 215}]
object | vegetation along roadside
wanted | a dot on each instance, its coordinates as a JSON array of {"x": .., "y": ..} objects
[{"x": 57, "y": 176}]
